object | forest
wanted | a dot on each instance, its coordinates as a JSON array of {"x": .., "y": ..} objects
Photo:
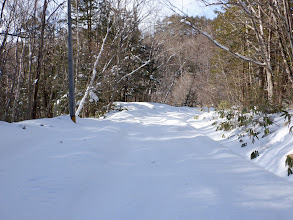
[{"x": 243, "y": 57}]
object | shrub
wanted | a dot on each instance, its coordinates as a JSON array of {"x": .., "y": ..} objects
[
  {"x": 254, "y": 154},
  {"x": 248, "y": 121},
  {"x": 226, "y": 126},
  {"x": 287, "y": 117},
  {"x": 289, "y": 163}
]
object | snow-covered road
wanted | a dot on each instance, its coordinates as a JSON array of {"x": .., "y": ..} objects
[{"x": 146, "y": 163}]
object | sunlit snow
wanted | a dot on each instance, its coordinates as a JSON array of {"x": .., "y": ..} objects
[{"x": 149, "y": 162}]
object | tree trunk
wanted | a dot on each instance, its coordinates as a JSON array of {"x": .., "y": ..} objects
[
  {"x": 20, "y": 70},
  {"x": 169, "y": 90},
  {"x": 40, "y": 61},
  {"x": 31, "y": 47},
  {"x": 189, "y": 92}
]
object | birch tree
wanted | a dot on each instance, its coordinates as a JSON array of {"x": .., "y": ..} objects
[{"x": 94, "y": 72}]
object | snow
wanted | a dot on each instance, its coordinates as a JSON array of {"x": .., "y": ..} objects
[
  {"x": 151, "y": 161},
  {"x": 93, "y": 96}
]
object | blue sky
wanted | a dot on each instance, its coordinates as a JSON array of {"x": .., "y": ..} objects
[
  {"x": 161, "y": 8},
  {"x": 194, "y": 8}
]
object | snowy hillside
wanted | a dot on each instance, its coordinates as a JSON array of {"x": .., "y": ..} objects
[{"x": 149, "y": 162}]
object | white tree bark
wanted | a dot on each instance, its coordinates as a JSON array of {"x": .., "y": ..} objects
[{"x": 90, "y": 85}]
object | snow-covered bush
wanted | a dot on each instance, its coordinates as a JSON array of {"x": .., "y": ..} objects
[{"x": 251, "y": 123}]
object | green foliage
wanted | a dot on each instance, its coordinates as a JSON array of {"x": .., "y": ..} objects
[
  {"x": 267, "y": 108},
  {"x": 226, "y": 126},
  {"x": 230, "y": 115},
  {"x": 101, "y": 113},
  {"x": 291, "y": 130},
  {"x": 254, "y": 154},
  {"x": 214, "y": 123},
  {"x": 253, "y": 134},
  {"x": 248, "y": 121},
  {"x": 242, "y": 120},
  {"x": 287, "y": 116},
  {"x": 221, "y": 113},
  {"x": 267, "y": 121},
  {"x": 289, "y": 163},
  {"x": 266, "y": 132},
  {"x": 223, "y": 105}
]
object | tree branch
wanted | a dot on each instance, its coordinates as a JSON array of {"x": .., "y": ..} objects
[
  {"x": 134, "y": 71},
  {"x": 222, "y": 46},
  {"x": 190, "y": 24}
]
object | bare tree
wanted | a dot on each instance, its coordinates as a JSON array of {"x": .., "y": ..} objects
[{"x": 39, "y": 60}]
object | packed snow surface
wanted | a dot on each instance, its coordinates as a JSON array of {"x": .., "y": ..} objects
[{"x": 149, "y": 162}]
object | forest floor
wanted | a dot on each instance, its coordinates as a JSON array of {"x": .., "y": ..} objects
[{"x": 147, "y": 162}]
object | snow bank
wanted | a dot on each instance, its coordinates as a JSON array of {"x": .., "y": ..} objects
[{"x": 272, "y": 149}]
